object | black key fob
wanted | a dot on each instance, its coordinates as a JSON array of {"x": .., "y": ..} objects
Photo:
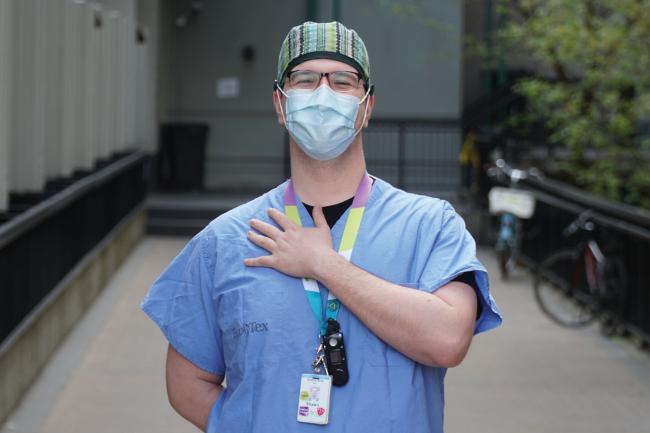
[{"x": 335, "y": 357}]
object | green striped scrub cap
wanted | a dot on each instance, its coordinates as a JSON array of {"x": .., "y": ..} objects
[{"x": 323, "y": 41}]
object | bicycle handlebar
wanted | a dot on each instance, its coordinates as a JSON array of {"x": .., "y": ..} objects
[
  {"x": 514, "y": 175},
  {"x": 582, "y": 222}
]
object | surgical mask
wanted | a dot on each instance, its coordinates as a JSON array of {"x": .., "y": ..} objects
[{"x": 321, "y": 121}]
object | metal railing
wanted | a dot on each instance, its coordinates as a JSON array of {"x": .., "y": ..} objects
[
  {"x": 41, "y": 245},
  {"x": 416, "y": 155},
  {"x": 623, "y": 231}
]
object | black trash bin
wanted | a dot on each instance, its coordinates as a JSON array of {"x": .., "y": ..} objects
[{"x": 181, "y": 156}]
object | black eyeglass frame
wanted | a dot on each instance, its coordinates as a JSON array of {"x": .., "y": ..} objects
[{"x": 327, "y": 74}]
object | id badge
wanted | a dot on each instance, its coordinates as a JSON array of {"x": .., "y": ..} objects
[{"x": 314, "y": 399}]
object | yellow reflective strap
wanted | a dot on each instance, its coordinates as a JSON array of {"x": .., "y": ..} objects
[
  {"x": 292, "y": 212},
  {"x": 351, "y": 228}
]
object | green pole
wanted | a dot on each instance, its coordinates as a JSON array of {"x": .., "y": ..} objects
[
  {"x": 336, "y": 10},
  {"x": 487, "y": 37},
  {"x": 502, "y": 73},
  {"x": 312, "y": 10}
]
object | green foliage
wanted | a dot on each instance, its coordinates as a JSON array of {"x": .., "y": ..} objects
[{"x": 592, "y": 87}]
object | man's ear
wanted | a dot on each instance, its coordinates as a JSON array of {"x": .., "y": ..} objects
[
  {"x": 277, "y": 100},
  {"x": 371, "y": 104}
]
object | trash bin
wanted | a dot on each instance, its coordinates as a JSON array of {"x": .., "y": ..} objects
[{"x": 181, "y": 156}]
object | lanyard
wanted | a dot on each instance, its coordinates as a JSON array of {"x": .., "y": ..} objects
[{"x": 345, "y": 248}]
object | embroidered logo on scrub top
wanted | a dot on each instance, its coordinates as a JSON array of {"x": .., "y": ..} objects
[{"x": 250, "y": 328}]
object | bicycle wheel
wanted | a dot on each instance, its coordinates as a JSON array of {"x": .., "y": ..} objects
[
  {"x": 614, "y": 296},
  {"x": 505, "y": 258},
  {"x": 561, "y": 290}
]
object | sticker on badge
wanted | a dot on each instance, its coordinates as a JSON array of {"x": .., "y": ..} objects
[{"x": 314, "y": 398}]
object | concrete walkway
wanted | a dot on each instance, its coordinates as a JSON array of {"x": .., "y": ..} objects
[{"x": 528, "y": 376}]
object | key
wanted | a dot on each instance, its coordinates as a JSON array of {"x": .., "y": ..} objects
[
  {"x": 319, "y": 354},
  {"x": 320, "y": 358},
  {"x": 317, "y": 362},
  {"x": 321, "y": 361}
]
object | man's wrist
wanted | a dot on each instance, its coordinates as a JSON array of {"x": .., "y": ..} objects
[{"x": 329, "y": 264}]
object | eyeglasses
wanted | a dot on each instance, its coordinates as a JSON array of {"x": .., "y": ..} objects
[{"x": 340, "y": 81}]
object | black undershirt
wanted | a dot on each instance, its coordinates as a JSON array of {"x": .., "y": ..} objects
[{"x": 333, "y": 213}]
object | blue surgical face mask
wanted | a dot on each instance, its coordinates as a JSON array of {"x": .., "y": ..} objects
[{"x": 322, "y": 121}]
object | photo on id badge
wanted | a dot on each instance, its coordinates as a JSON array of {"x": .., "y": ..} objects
[{"x": 314, "y": 398}]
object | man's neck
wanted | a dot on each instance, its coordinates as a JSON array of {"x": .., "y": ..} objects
[{"x": 324, "y": 183}]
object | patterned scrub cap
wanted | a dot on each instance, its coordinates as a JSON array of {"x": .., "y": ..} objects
[{"x": 323, "y": 41}]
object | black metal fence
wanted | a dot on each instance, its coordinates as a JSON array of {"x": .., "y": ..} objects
[
  {"x": 41, "y": 245},
  {"x": 622, "y": 231},
  {"x": 416, "y": 155}
]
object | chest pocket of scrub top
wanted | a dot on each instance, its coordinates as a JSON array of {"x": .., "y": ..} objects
[
  {"x": 257, "y": 323},
  {"x": 249, "y": 319},
  {"x": 380, "y": 354}
]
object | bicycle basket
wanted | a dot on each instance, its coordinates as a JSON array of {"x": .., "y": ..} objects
[{"x": 508, "y": 200}]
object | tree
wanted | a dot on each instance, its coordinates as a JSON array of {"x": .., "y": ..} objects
[{"x": 591, "y": 86}]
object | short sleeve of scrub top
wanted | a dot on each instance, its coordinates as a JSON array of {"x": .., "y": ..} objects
[
  {"x": 180, "y": 302},
  {"x": 452, "y": 253}
]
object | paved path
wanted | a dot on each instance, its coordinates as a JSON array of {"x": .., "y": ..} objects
[
  {"x": 108, "y": 376},
  {"x": 528, "y": 376},
  {"x": 531, "y": 376}
]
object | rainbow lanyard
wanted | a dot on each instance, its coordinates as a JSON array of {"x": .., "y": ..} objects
[{"x": 345, "y": 248}]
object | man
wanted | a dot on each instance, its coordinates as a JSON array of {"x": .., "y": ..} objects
[{"x": 269, "y": 292}]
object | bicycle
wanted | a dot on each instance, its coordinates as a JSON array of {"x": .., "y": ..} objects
[
  {"x": 511, "y": 205},
  {"x": 575, "y": 286}
]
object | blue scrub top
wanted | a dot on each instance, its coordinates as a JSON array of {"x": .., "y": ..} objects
[{"x": 255, "y": 326}]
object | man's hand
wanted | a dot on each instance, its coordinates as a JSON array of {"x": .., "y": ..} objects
[{"x": 296, "y": 251}]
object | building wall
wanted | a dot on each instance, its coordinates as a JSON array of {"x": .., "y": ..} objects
[
  {"x": 76, "y": 87},
  {"x": 124, "y": 7},
  {"x": 209, "y": 48},
  {"x": 473, "y": 17},
  {"x": 415, "y": 55},
  {"x": 148, "y": 18},
  {"x": 6, "y": 34},
  {"x": 415, "y": 58}
]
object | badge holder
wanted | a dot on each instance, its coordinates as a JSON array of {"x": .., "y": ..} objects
[{"x": 314, "y": 402}]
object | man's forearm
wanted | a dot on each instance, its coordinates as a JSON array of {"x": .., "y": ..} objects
[
  {"x": 192, "y": 392},
  {"x": 196, "y": 409},
  {"x": 433, "y": 329}
]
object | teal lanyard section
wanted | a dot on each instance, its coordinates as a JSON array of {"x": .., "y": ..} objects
[
  {"x": 312, "y": 289},
  {"x": 331, "y": 310}
]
